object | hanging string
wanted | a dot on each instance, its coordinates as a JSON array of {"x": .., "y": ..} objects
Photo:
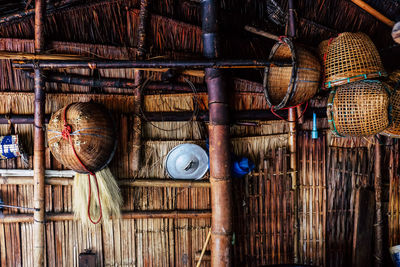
[
  {"x": 195, "y": 108},
  {"x": 301, "y": 115},
  {"x": 66, "y": 134}
]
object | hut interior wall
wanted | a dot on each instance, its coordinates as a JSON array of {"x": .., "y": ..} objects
[{"x": 331, "y": 170}]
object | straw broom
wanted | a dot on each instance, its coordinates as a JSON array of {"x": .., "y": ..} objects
[{"x": 109, "y": 196}]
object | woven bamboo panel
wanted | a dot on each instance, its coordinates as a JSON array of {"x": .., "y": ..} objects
[
  {"x": 263, "y": 210},
  {"x": 359, "y": 109},
  {"x": 312, "y": 199},
  {"x": 347, "y": 169},
  {"x": 351, "y": 57},
  {"x": 307, "y": 77}
]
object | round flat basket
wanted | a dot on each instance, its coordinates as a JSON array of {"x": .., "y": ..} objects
[
  {"x": 93, "y": 139},
  {"x": 358, "y": 109},
  {"x": 350, "y": 57},
  {"x": 187, "y": 161},
  {"x": 290, "y": 86}
]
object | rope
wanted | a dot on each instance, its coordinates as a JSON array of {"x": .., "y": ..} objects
[
  {"x": 66, "y": 134},
  {"x": 301, "y": 115}
]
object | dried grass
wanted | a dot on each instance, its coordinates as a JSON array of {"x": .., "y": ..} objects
[
  {"x": 23, "y": 103},
  {"x": 110, "y": 197}
]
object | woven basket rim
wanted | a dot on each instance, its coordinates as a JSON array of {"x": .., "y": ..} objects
[
  {"x": 360, "y": 77},
  {"x": 293, "y": 81}
]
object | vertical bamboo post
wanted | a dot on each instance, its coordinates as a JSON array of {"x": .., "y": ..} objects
[
  {"x": 293, "y": 168},
  {"x": 221, "y": 184},
  {"x": 293, "y": 146},
  {"x": 378, "y": 206},
  {"x": 138, "y": 75},
  {"x": 39, "y": 150}
]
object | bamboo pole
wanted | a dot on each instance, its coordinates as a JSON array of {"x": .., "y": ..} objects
[
  {"x": 292, "y": 141},
  {"x": 373, "y": 12},
  {"x": 204, "y": 249},
  {"x": 238, "y": 116},
  {"x": 221, "y": 182},
  {"x": 10, "y": 55},
  {"x": 138, "y": 74},
  {"x": 83, "y": 80},
  {"x": 148, "y": 214},
  {"x": 39, "y": 143},
  {"x": 378, "y": 257},
  {"x": 261, "y": 33},
  {"x": 293, "y": 146},
  {"x": 152, "y": 65},
  {"x": 64, "y": 181}
]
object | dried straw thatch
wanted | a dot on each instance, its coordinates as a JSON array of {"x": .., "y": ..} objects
[{"x": 156, "y": 151}]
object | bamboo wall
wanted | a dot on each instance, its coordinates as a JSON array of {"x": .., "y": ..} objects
[{"x": 330, "y": 169}]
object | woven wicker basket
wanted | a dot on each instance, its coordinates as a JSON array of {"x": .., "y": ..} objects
[
  {"x": 290, "y": 86},
  {"x": 351, "y": 57},
  {"x": 394, "y": 82},
  {"x": 358, "y": 109},
  {"x": 92, "y": 135}
]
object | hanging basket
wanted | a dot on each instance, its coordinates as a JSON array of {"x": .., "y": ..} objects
[
  {"x": 350, "y": 57},
  {"x": 92, "y": 135},
  {"x": 358, "y": 109},
  {"x": 290, "y": 86},
  {"x": 394, "y": 81},
  {"x": 82, "y": 137}
]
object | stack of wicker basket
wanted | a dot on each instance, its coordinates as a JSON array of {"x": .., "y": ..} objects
[{"x": 357, "y": 106}]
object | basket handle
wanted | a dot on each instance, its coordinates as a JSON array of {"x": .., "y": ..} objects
[{"x": 292, "y": 87}]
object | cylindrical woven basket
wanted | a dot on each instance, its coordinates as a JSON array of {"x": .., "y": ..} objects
[
  {"x": 351, "y": 57},
  {"x": 92, "y": 134},
  {"x": 358, "y": 109},
  {"x": 290, "y": 86},
  {"x": 394, "y": 82}
]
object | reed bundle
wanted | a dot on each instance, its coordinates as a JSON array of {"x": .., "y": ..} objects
[
  {"x": 22, "y": 103},
  {"x": 350, "y": 142},
  {"x": 109, "y": 196},
  {"x": 192, "y": 130}
]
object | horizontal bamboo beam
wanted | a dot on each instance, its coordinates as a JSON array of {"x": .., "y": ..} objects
[
  {"x": 117, "y": 83},
  {"x": 148, "y": 214},
  {"x": 64, "y": 177},
  {"x": 27, "y": 172},
  {"x": 27, "y": 180},
  {"x": 186, "y": 64},
  {"x": 245, "y": 115},
  {"x": 373, "y": 12},
  {"x": 30, "y": 56}
]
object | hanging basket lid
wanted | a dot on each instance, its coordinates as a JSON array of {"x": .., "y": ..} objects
[{"x": 187, "y": 161}]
